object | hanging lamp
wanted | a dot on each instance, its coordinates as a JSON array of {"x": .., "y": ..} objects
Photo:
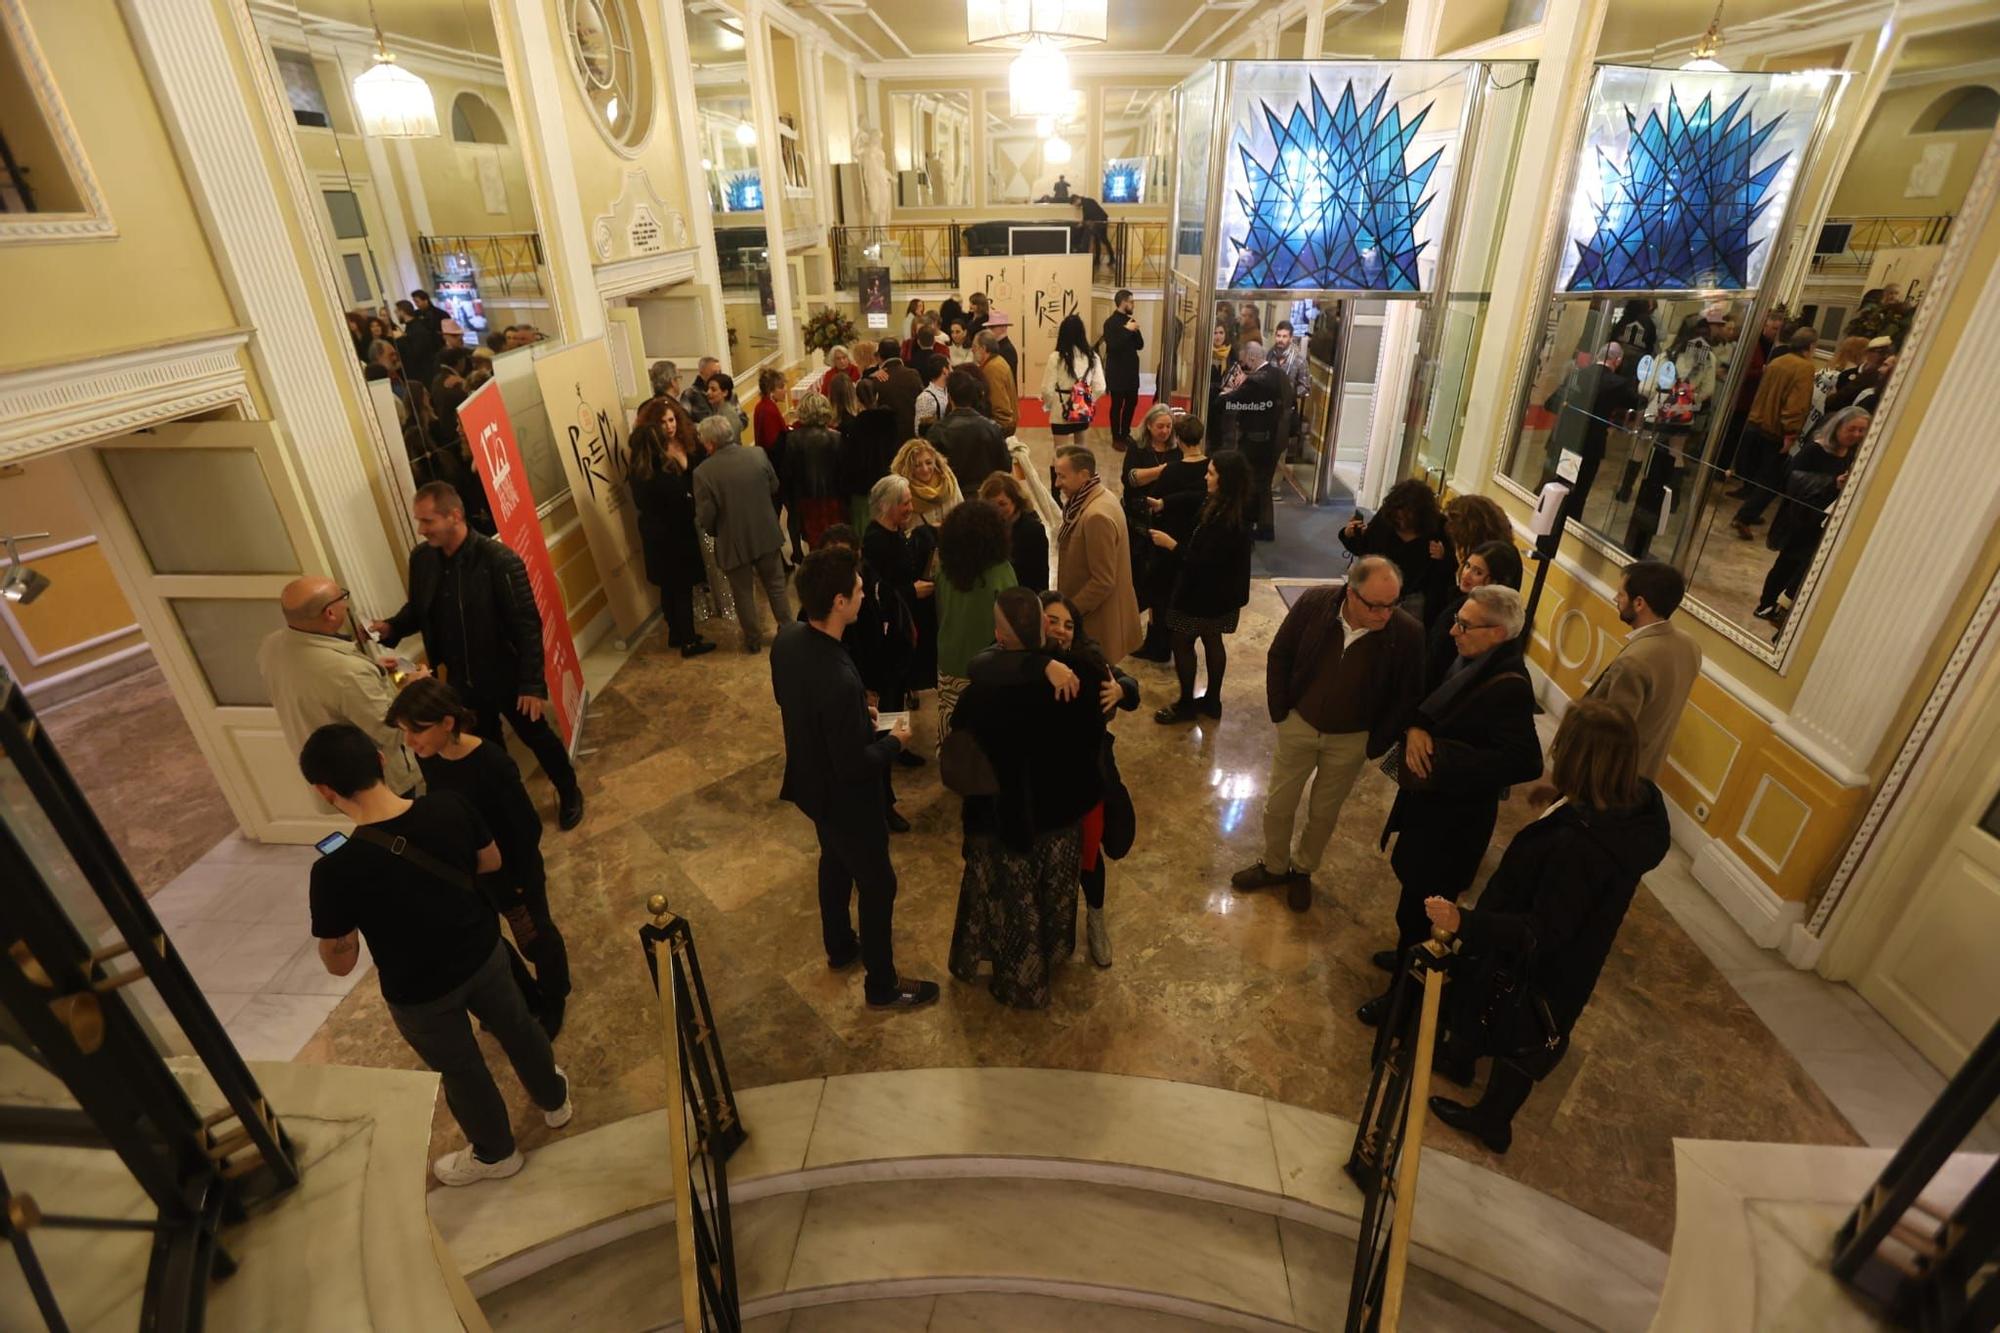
[
  {"x": 1702, "y": 57},
  {"x": 391, "y": 102},
  {"x": 1038, "y": 80}
]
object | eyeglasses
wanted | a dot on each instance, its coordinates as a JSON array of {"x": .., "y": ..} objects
[
  {"x": 1355, "y": 593},
  {"x": 1460, "y": 625}
]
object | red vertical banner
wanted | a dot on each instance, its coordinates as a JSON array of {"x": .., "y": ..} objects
[{"x": 498, "y": 458}]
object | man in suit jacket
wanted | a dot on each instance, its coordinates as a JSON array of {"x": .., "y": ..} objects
[
  {"x": 1122, "y": 343},
  {"x": 1094, "y": 558},
  {"x": 318, "y": 674},
  {"x": 1002, "y": 393},
  {"x": 733, "y": 489},
  {"x": 900, "y": 387},
  {"x": 835, "y": 773},
  {"x": 1650, "y": 678}
]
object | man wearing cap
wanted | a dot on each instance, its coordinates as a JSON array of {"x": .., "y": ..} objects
[
  {"x": 1002, "y": 323},
  {"x": 1862, "y": 385},
  {"x": 1001, "y": 388}
]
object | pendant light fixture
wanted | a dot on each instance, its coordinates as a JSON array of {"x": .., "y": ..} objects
[
  {"x": 1056, "y": 151},
  {"x": 1702, "y": 58},
  {"x": 391, "y": 102},
  {"x": 1038, "y": 80}
]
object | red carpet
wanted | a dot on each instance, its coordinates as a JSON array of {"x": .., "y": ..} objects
[{"x": 1034, "y": 414}]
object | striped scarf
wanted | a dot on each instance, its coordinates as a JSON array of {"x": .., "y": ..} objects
[{"x": 1073, "y": 510}]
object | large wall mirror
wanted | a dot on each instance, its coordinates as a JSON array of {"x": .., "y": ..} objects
[
  {"x": 1719, "y": 429},
  {"x": 930, "y": 148},
  {"x": 441, "y": 208},
  {"x": 733, "y": 164},
  {"x": 1138, "y": 126},
  {"x": 1024, "y": 165}
]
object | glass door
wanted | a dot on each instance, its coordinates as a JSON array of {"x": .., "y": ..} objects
[{"x": 204, "y": 525}]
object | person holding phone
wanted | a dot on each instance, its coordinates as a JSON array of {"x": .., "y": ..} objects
[
  {"x": 834, "y": 767},
  {"x": 440, "y": 731},
  {"x": 404, "y": 881}
]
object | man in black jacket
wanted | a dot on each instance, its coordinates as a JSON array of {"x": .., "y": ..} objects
[
  {"x": 834, "y": 766},
  {"x": 900, "y": 387},
  {"x": 470, "y": 599},
  {"x": 1122, "y": 344},
  {"x": 973, "y": 445},
  {"x": 1255, "y": 405}
]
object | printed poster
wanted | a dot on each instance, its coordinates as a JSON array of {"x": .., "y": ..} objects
[
  {"x": 587, "y": 418},
  {"x": 875, "y": 296},
  {"x": 1036, "y": 292},
  {"x": 497, "y": 456}
]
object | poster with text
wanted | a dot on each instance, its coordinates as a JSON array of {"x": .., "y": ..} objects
[
  {"x": 497, "y": 456},
  {"x": 587, "y": 418},
  {"x": 1041, "y": 291},
  {"x": 875, "y": 296}
]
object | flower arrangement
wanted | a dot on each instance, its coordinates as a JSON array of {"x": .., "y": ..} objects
[{"x": 827, "y": 329}]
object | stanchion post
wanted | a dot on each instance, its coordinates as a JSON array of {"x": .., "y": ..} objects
[
  {"x": 670, "y": 1033},
  {"x": 1411, "y": 1157}
]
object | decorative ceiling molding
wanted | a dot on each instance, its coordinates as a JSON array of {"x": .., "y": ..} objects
[
  {"x": 1823, "y": 23},
  {"x": 317, "y": 34},
  {"x": 74, "y": 402},
  {"x": 1985, "y": 72},
  {"x": 94, "y": 222},
  {"x": 628, "y": 277},
  {"x": 994, "y": 66}
]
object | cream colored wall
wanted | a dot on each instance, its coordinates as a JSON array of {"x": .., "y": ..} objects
[
  {"x": 153, "y": 282},
  {"x": 449, "y": 170},
  {"x": 1882, "y": 160}
]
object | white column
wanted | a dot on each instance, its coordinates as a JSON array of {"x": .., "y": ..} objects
[
  {"x": 1925, "y": 543},
  {"x": 189, "y": 58},
  {"x": 530, "y": 60},
  {"x": 701, "y": 222},
  {"x": 1531, "y": 229},
  {"x": 1315, "y": 28},
  {"x": 410, "y": 271},
  {"x": 764, "y": 107}
]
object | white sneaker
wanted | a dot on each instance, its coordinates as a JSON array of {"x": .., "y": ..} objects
[
  {"x": 462, "y": 1168},
  {"x": 1100, "y": 936},
  {"x": 559, "y": 1117}
]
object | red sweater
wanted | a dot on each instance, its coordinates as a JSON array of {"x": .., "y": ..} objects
[{"x": 768, "y": 420}]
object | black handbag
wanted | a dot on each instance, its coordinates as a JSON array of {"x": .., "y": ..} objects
[
  {"x": 1121, "y": 821},
  {"x": 965, "y": 767}
]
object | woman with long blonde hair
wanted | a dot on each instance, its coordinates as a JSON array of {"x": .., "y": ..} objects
[{"x": 934, "y": 490}]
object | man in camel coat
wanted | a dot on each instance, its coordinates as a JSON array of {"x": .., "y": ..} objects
[{"x": 1094, "y": 560}]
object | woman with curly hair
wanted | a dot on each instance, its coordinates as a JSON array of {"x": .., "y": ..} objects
[
  {"x": 934, "y": 491},
  {"x": 1471, "y": 521},
  {"x": 1403, "y": 531},
  {"x": 973, "y": 569},
  {"x": 660, "y": 474}
]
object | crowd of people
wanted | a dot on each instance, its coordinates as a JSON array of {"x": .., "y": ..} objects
[{"x": 928, "y": 559}]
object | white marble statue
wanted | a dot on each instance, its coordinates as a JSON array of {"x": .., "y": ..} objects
[{"x": 874, "y": 172}]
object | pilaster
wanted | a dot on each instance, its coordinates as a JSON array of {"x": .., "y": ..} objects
[
  {"x": 680, "y": 95},
  {"x": 189, "y": 57},
  {"x": 764, "y": 107}
]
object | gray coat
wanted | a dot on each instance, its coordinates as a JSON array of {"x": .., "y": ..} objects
[{"x": 732, "y": 503}]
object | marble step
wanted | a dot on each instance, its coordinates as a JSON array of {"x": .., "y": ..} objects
[
  {"x": 1512, "y": 1246},
  {"x": 1207, "y": 1265}
]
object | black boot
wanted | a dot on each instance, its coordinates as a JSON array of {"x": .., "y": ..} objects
[{"x": 1492, "y": 1121}]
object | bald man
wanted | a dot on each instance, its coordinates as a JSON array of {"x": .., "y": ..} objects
[{"x": 318, "y": 674}]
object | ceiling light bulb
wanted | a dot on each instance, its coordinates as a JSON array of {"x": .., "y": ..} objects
[
  {"x": 394, "y": 103},
  {"x": 1038, "y": 81},
  {"x": 1055, "y": 152},
  {"x": 1044, "y": 126},
  {"x": 746, "y": 135}
]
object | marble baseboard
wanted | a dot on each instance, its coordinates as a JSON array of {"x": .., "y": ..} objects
[{"x": 1764, "y": 916}]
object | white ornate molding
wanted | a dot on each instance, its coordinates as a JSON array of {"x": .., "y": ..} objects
[
  {"x": 638, "y": 224},
  {"x": 53, "y": 407},
  {"x": 216, "y": 133},
  {"x": 1945, "y": 500},
  {"x": 631, "y": 276},
  {"x": 94, "y": 222}
]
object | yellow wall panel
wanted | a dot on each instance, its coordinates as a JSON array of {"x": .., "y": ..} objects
[
  {"x": 1704, "y": 751},
  {"x": 83, "y": 603},
  {"x": 1772, "y": 824}
]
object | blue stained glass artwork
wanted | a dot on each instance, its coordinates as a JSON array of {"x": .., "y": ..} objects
[
  {"x": 1124, "y": 182},
  {"x": 1677, "y": 213},
  {"x": 1337, "y": 206},
  {"x": 744, "y": 193}
]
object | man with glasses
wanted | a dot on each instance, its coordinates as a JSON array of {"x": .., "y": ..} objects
[
  {"x": 318, "y": 674},
  {"x": 1342, "y": 675}
]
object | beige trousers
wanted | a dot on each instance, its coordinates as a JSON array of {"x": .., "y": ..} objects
[{"x": 1332, "y": 760}]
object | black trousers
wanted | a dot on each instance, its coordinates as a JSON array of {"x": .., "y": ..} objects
[
  {"x": 1123, "y": 406},
  {"x": 1788, "y": 571},
  {"x": 525, "y": 908},
  {"x": 535, "y": 733},
  {"x": 854, "y": 862},
  {"x": 677, "y": 605},
  {"x": 1261, "y": 452},
  {"x": 1760, "y": 462}
]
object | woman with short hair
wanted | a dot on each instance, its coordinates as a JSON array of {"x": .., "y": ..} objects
[
  {"x": 812, "y": 481},
  {"x": 1534, "y": 947}
]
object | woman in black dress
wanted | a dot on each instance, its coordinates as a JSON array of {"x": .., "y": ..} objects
[
  {"x": 1181, "y": 471},
  {"x": 868, "y": 443},
  {"x": 438, "y": 728},
  {"x": 1535, "y": 945},
  {"x": 1213, "y": 582},
  {"x": 1028, "y": 540},
  {"x": 662, "y": 492}
]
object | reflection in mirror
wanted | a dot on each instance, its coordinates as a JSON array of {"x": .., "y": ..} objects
[
  {"x": 732, "y": 161},
  {"x": 1024, "y": 165},
  {"x": 1796, "y": 431},
  {"x": 930, "y": 148},
  {"x": 435, "y": 247},
  {"x": 1138, "y": 126}
]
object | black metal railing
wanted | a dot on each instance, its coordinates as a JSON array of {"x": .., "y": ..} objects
[
  {"x": 507, "y": 263},
  {"x": 927, "y": 254}
]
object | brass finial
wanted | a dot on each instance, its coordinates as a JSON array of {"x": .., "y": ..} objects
[{"x": 657, "y": 905}]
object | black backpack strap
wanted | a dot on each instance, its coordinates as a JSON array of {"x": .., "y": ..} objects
[{"x": 402, "y": 847}]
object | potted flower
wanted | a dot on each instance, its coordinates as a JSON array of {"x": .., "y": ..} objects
[{"x": 827, "y": 329}]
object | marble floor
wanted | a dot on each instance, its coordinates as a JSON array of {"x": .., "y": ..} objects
[
  {"x": 118, "y": 741},
  {"x": 1209, "y": 987}
]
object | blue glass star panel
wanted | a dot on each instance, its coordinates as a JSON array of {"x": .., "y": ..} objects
[
  {"x": 1124, "y": 181},
  {"x": 1678, "y": 211},
  {"x": 744, "y": 193},
  {"x": 1685, "y": 176},
  {"x": 1337, "y": 204}
]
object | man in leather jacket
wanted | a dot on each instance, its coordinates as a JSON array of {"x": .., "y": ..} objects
[
  {"x": 1255, "y": 404},
  {"x": 974, "y": 446},
  {"x": 470, "y": 598}
]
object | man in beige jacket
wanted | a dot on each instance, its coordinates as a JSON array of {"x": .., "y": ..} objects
[
  {"x": 1650, "y": 678},
  {"x": 317, "y": 674},
  {"x": 1094, "y": 557}
]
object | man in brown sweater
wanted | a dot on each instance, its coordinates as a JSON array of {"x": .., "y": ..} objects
[
  {"x": 1784, "y": 397},
  {"x": 1342, "y": 675},
  {"x": 1000, "y": 388}
]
